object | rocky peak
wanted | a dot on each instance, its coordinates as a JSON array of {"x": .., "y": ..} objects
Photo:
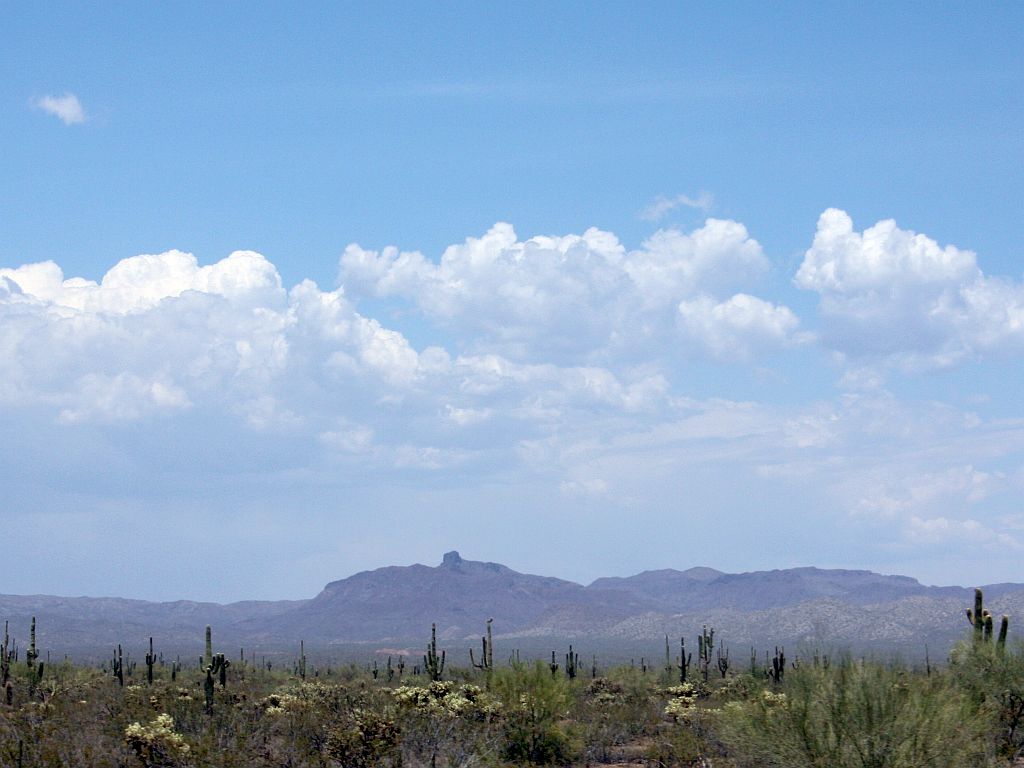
[{"x": 451, "y": 560}]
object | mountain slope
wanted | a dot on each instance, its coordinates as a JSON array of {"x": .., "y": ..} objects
[
  {"x": 458, "y": 595},
  {"x": 397, "y": 604},
  {"x": 706, "y": 589}
]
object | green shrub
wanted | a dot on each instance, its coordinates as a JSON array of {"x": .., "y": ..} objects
[
  {"x": 993, "y": 679},
  {"x": 367, "y": 740},
  {"x": 536, "y": 705},
  {"x": 857, "y": 714}
]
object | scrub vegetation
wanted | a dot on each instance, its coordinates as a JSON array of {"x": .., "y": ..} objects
[{"x": 809, "y": 710}]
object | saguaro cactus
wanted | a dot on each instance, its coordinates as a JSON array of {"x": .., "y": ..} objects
[
  {"x": 684, "y": 660},
  {"x": 981, "y": 619},
  {"x": 208, "y": 690},
  {"x": 705, "y": 646},
  {"x": 6, "y": 656},
  {"x": 32, "y": 654},
  {"x": 777, "y": 671},
  {"x": 722, "y": 659},
  {"x": 150, "y": 661},
  {"x": 487, "y": 652},
  {"x": 572, "y": 661},
  {"x": 208, "y": 656},
  {"x": 432, "y": 663},
  {"x": 117, "y": 665}
]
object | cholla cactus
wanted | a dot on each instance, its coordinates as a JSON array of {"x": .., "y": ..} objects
[
  {"x": 679, "y": 708},
  {"x": 445, "y": 699},
  {"x": 772, "y": 700},
  {"x": 683, "y": 700},
  {"x": 365, "y": 741},
  {"x": 156, "y": 743}
]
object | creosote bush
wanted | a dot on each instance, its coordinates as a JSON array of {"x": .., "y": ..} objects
[
  {"x": 857, "y": 714},
  {"x": 992, "y": 677},
  {"x": 537, "y": 726}
]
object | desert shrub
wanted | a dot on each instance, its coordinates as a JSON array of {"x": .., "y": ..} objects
[
  {"x": 367, "y": 739},
  {"x": 614, "y": 711},
  {"x": 676, "y": 746},
  {"x": 536, "y": 704},
  {"x": 457, "y": 723},
  {"x": 856, "y": 714},
  {"x": 739, "y": 687},
  {"x": 993, "y": 679}
]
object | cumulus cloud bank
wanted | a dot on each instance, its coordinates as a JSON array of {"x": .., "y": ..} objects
[
  {"x": 532, "y": 326},
  {"x": 563, "y": 359}
]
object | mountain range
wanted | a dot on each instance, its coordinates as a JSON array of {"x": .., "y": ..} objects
[{"x": 398, "y": 604}]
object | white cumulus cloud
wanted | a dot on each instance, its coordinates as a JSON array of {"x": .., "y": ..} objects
[
  {"x": 898, "y": 296},
  {"x": 574, "y": 298},
  {"x": 737, "y": 328},
  {"x": 160, "y": 333},
  {"x": 66, "y": 107}
]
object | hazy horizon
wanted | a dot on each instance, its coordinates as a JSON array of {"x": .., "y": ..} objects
[{"x": 584, "y": 583}]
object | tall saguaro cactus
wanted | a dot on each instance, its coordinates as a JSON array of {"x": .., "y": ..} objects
[
  {"x": 572, "y": 660},
  {"x": 432, "y": 663},
  {"x": 32, "y": 653},
  {"x": 705, "y": 646},
  {"x": 117, "y": 665},
  {"x": 150, "y": 661},
  {"x": 487, "y": 652},
  {"x": 684, "y": 660},
  {"x": 6, "y": 656},
  {"x": 981, "y": 619}
]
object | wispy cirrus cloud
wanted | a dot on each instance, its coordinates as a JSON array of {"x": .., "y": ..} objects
[
  {"x": 66, "y": 107},
  {"x": 662, "y": 206}
]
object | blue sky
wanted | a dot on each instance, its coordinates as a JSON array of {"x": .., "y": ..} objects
[{"x": 287, "y": 293}]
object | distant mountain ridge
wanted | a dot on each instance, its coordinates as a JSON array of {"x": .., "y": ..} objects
[{"x": 397, "y": 604}]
